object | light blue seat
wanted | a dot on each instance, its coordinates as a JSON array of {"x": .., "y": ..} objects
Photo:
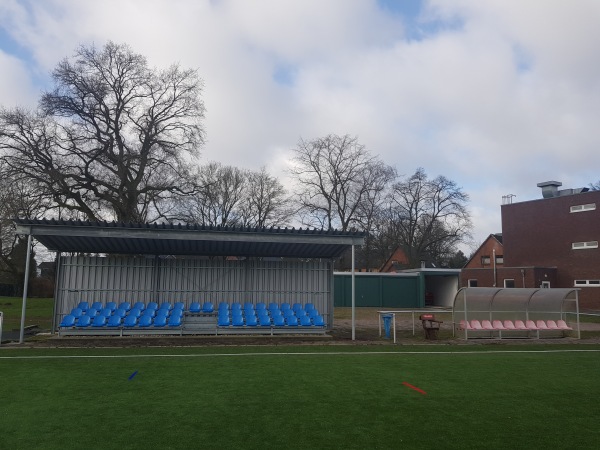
[
  {"x": 125, "y": 305},
  {"x": 160, "y": 321},
  {"x": 152, "y": 305},
  {"x": 251, "y": 321},
  {"x": 111, "y": 305},
  {"x": 130, "y": 321},
  {"x": 77, "y": 312},
  {"x": 145, "y": 321},
  {"x": 208, "y": 307},
  {"x": 99, "y": 321},
  {"x": 120, "y": 312},
  {"x": 278, "y": 321},
  {"x": 174, "y": 321},
  {"x": 84, "y": 321},
  {"x": 84, "y": 306},
  {"x": 140, "y": 305},
  {"x": 179, "y": 305},
  {"x": 195, "y": 307},
  {"x": 223, "y": 320},
  {"x": 264, "y": 321},
  {"x": 97, "y": 306},
  {"x": 318, "y": 321},
  {"x": 237, "y": 320},
  {"x": 68, "y": 321},
  {"x": 305, "y": 321},
  {"x": 291, "y": 321},
  {"x": 114, "y": 321}
]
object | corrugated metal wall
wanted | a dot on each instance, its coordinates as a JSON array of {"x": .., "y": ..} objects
[
  {"x": 104, "y": 279},
  {"x": 379, "y": 290}
]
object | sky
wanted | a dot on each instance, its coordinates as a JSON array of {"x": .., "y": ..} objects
[{"x": 496, "y": 95}]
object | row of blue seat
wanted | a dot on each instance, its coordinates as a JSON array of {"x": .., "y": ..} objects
[
  {"x": 195, "y": 307},
  {"x": 115, "y": 321}
]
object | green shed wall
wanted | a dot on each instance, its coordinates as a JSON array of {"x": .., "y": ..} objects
[{"x": 382, "y": 291}]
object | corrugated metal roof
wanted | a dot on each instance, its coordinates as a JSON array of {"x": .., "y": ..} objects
[{"x": 179, "y": 239}]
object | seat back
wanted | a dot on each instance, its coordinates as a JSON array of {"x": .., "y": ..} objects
[
  {"x": 278, "y": 321},
  {"x": 84, "y": 306},
  {"x": 84, "y": 321},
  {"x": 145, "y": 320},
  {"x": 520, "y": 325},
  {"x": 152, "y": 305},
  {"x": 305, "y": 321},
  {"x": 318, "y": 321},
  {"x": 77, "y": 312},
  {"x": 125, "y": 305},
  {"x": 509, "y": 325},
  {"x": 139, "y": 305},
  {"x": 476, "y": 325},
  {"x": 251, "y": 320},
  {"x": 530, "y": 324},
  {"x": 541, "y": 325},
  {"x": 563, "y": 325},
  {"x": 195, "y": 307},
  {"x": 130, "y": 321},
  {"x": 486, "y": 325},
  {"x": 99, "y": 321},
  {"x": 160, "y": 321},
  {"x": 552, "y": 325},
  {"x": 291, "y": 321},
  {"x": 208, "y": 307},
  {"x": 114, "y": 321},
  {"x": 67, "y": 321},
  {"x": 174, "y": 321},
  {"x": 264, "y": 320},
  {"x": 111, "y": 305},
  {"x": 497, "y": 324}
]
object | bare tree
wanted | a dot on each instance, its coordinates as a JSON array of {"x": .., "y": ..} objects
[
  {"x": 427, "y": 217},
  {"x": 336, "y": 180},
  {"x": 108, "y": 141},
  {"x": 266, "y": 203}
]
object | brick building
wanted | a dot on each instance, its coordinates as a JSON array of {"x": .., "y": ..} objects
[{"x": 548, "y": 242}]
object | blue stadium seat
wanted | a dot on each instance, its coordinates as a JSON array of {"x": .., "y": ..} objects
[
  {"x": 208, "y": 307},
  {"x": 68, "y": 321},
  {"x": 251, "y": 321},
  {"x": 145, "y": 320},
  {"x": 97, "y": 306},
  {"x": 125, "y": 305},
  {"x": 297, "y": 307},
  {"x": 176, "y": 313},
  {"x": 273, "y": 306},
  {"x": 106, "y": 312},
  {"x": 318, "y": 321},
  {"x": 162, "y": 313},
  {"x": 160, "y": 321},
  {"x": 120, "y": 312},
  {"x": 195, "y": 307},
  {"x": 285, "y": 306},
  {"x": 236, "y": 306},
  {"x": 260, "y": 306},
  {"x": 262, "y": 312},
  {"x": 276, "y": 313},
  {"x": 305, "y": 321},
  {"x": 237, "y": 320},
  {"x": 149, "y": 312},
  {"x": 140, "y": 305},
  {"x": 174, "y": 321},
  {"x": 301, "y": 313},
  {"x": 84, "y": 306},
  {"x": 179, "y": 305},
  {"x": 99, "y": 321},
  {"x": 264, "y": 321},
  {"x": 92, "y": 312},
  {"x": 84, "y": 321},
  {"x": 223, "y": 306},
  {"x": 77, "y": 312},
  {"x": 291, "y": 321},
  {"x": 249, "y": 306},
  {"x": 278, "y": 321},
  {"x": 152, "y": 305},
  {"x": 114, "y": 321},
  {"x": 111, "y": 305},
  {"x": 288, "y": 313},
  {"x": 309, "y": 307},
  {"x": 313, "y": 313},
  {"x": 166, "y": 305},
  {"x": 223, "y": 320},
  {"x": 134, "y": 312},
  {"x": 130, "y": 321}
]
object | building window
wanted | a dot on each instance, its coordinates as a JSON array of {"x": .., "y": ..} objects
[
  {"x": 587, "y": 283},
  {"x": 485, "y": 260},
  {"x": 581, "y": 208},
  {"x": 472, "y": 283},
  {"x": 584, "y": 245},
  {"x": 500, "y": 259},
  {"x": 509, "y": 283},
  {"x": 545, "y": 284}
]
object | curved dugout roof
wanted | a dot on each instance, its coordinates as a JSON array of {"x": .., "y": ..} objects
[
  {"x": 513, "y": 299},
  {"x": 169, "y": 239}
]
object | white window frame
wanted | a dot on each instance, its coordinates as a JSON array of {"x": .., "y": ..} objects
[
  {"x": 486, "y": 260},
  {"x": 509, "y": 279},
  {"x": 469, "y": 282},
  {"x": 584, "y": 245},
  {"x": 545, "y": 285},
  {"x": 586, "y": 283},
  {"x": 583, "y": 208}
]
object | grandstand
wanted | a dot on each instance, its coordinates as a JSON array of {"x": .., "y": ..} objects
[{"x": 138, "y": 279}]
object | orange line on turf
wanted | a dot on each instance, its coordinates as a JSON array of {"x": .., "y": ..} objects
[{"x": 414, "y": 388}]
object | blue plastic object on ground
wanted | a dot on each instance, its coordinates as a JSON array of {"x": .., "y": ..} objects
[{"x": 387, "y": 324}]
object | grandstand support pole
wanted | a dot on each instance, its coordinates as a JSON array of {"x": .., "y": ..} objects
[
  {"x": 25, "y": 283},
  {"x": 353, "y": 299}
]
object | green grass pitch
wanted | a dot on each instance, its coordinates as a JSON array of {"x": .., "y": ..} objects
[{"x": 314, "y": 397}]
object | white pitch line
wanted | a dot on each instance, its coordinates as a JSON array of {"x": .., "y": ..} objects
[{"x": 207, "y": 355}]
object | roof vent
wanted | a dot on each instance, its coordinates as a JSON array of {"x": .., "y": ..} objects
[{"x": 549, "y": 188}]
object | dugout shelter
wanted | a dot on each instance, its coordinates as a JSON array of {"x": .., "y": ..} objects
[{"x": 111, "y": 262}]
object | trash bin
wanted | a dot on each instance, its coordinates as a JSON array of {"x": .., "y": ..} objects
[{"x": 387, "y": 324}]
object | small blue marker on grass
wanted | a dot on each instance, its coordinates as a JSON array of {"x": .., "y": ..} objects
[{"x": 133, "y": 375}]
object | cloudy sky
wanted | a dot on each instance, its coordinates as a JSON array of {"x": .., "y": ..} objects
[{"x": 496, "y": 95}]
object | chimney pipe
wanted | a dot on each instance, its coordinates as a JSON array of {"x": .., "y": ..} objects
[{"x": 549, "y": 188}]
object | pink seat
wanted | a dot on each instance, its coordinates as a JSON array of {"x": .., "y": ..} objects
[
  {"x": 486, "y": 325},
  {"x": 509, "y": 325},
  {"x": 520, "y": 325},
  {"x": 530, "y": 324},
  {"x": 562, "y": 325},
  {"x": 497, "y": 324},
  {"x": 475, "y": 325},
  {"x": 552, "y": 325},
  {"x": 541, "y": 325},
  {"x": 464, "y": 325}
]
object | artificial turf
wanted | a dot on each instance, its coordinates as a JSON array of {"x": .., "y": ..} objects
[{"x": 314, "y": 397}]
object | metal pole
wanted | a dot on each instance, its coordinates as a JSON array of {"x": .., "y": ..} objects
[
  {"x": 25, "y": 283},
  {"x": 353, "y": 298}
]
